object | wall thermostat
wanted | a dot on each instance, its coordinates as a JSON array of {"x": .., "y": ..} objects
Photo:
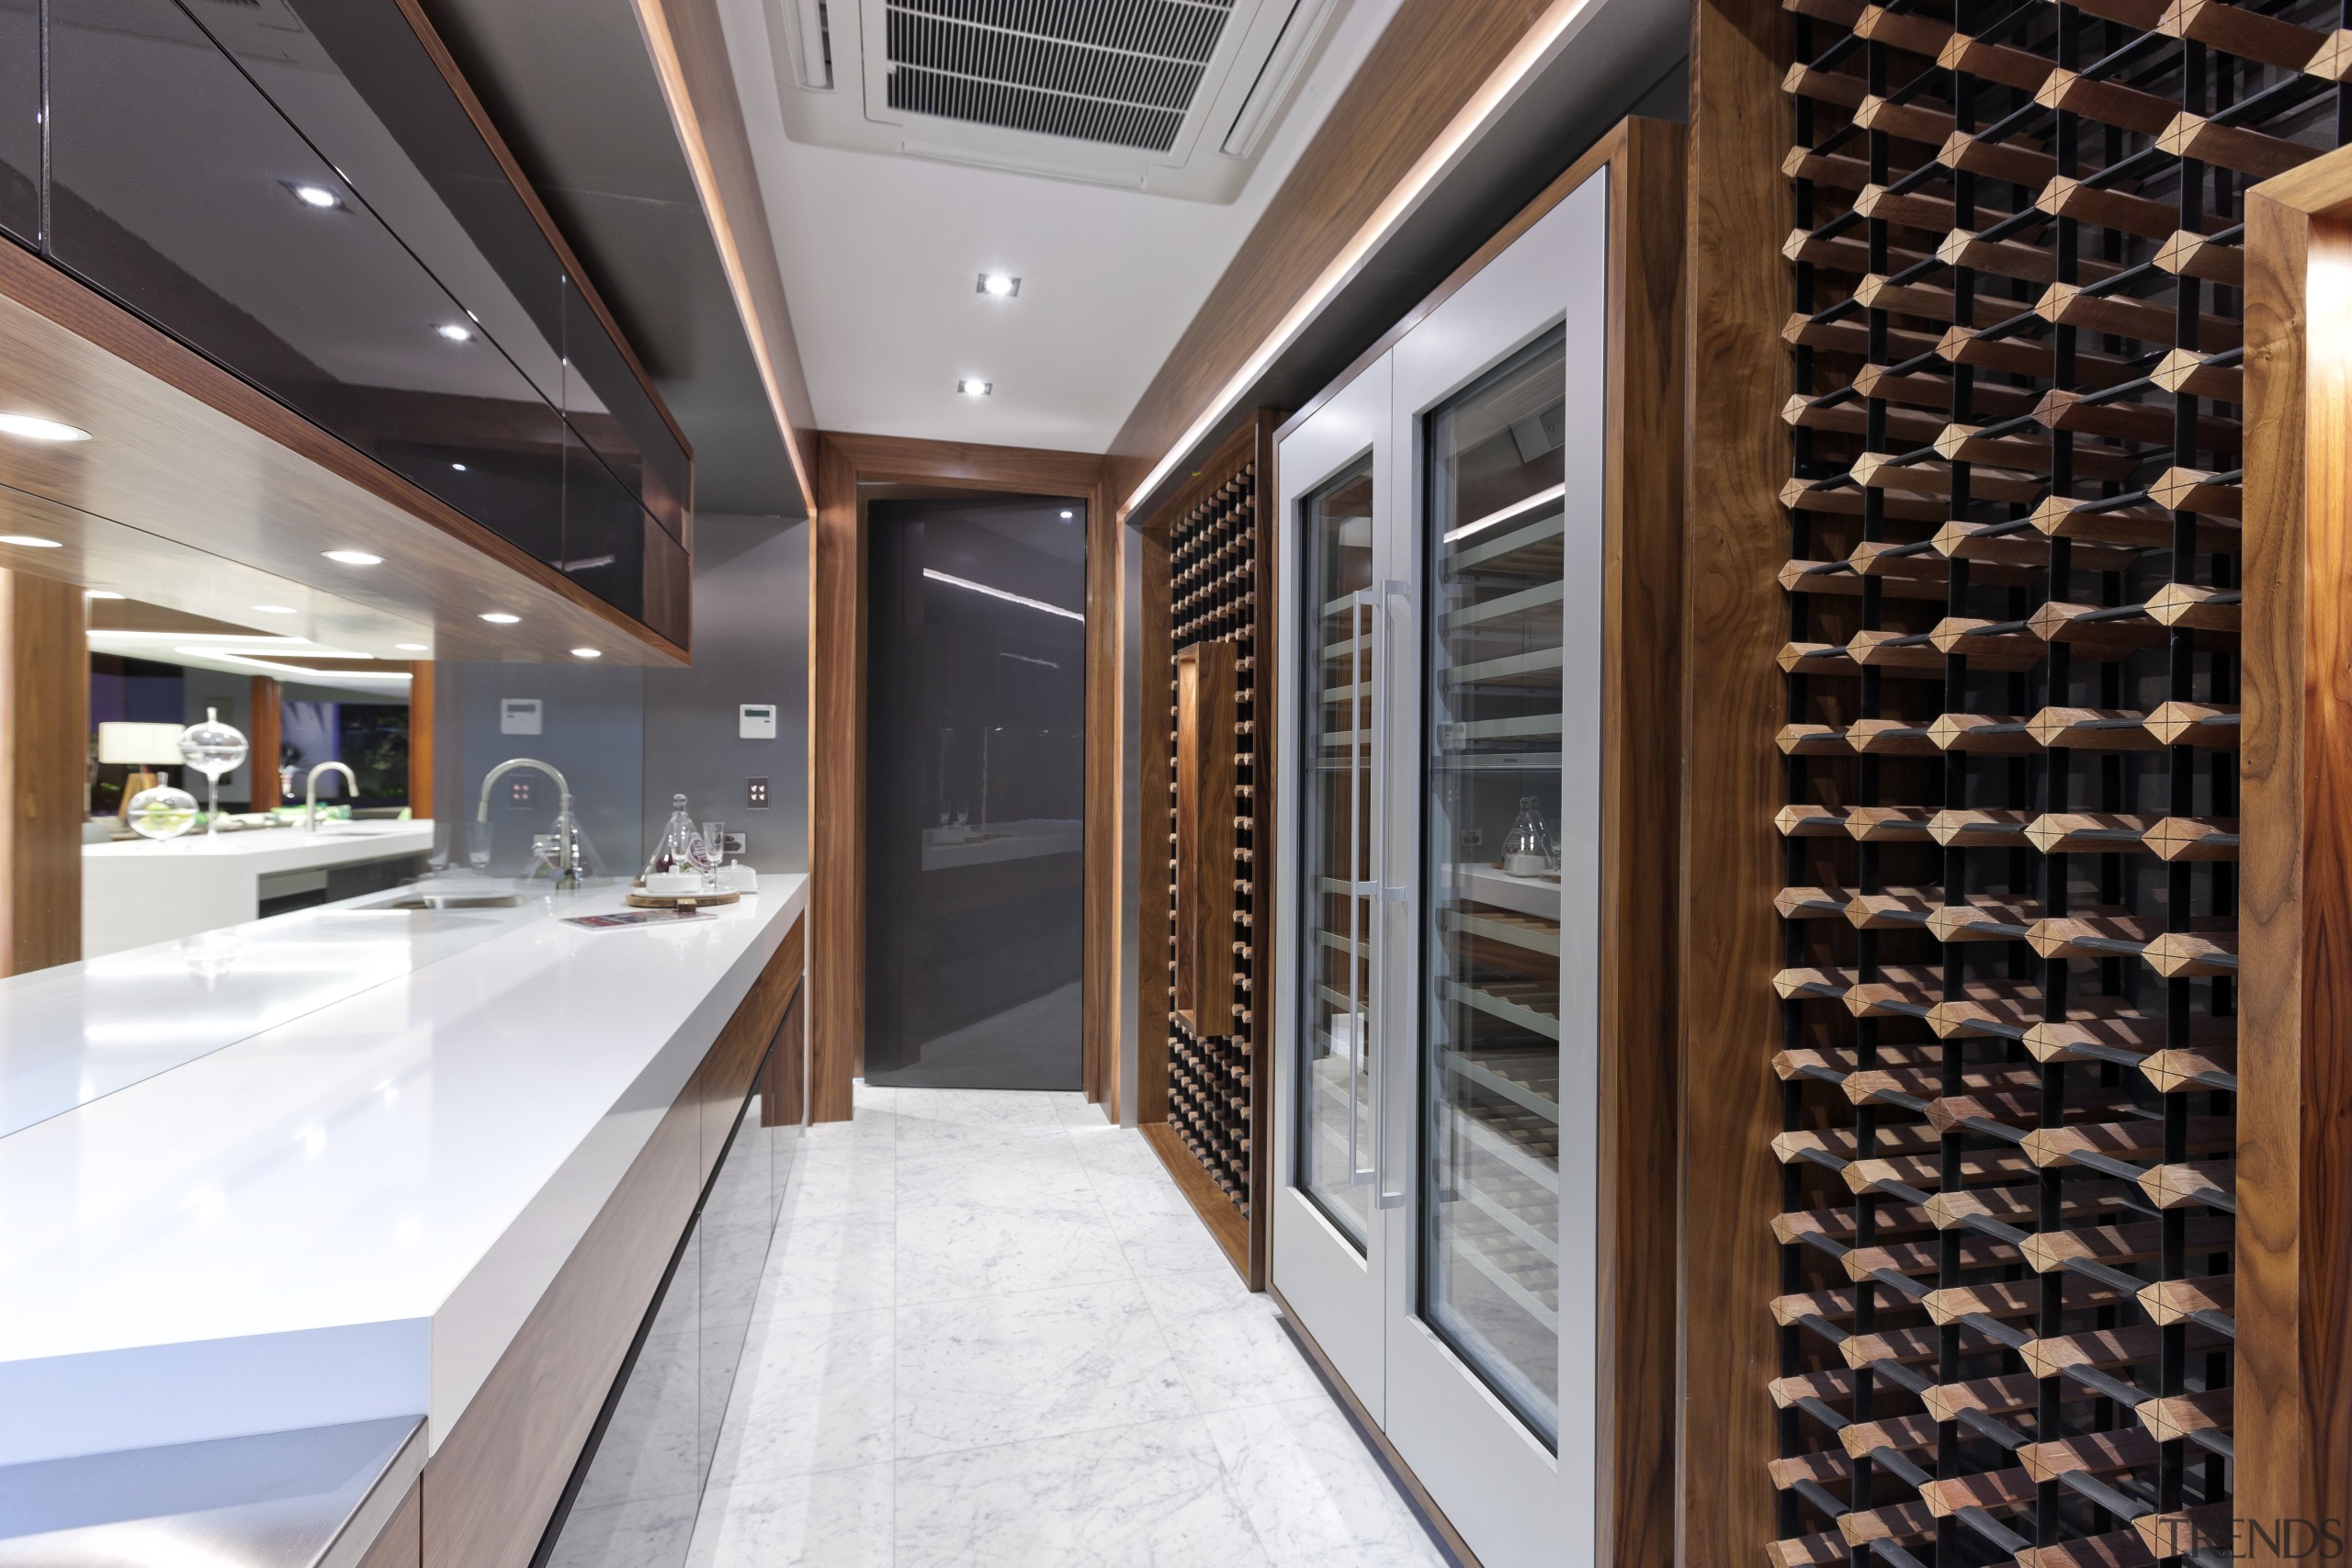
[
  {"x": 755, "y": 721},
  {"x": 518, "y": 715}
]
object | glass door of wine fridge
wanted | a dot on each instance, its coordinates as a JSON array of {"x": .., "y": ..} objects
[
  {"x": 1437, "y": 1177},
  {"x": 1337, "y": 554},
  {"x": 1492, "y": 659}
]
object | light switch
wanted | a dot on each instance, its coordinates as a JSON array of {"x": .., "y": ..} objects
[
  {"x": 755, "y": 721},
  {"x": 518, "y": 715},
  {"x": 756, "y": 793}
]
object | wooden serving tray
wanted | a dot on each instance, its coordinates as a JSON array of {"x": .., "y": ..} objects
[{"x": 679, "y": 900}]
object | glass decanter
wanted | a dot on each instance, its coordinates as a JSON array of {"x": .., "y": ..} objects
[
  {"x": 1527, "y": 849},
  {"x": 680, "y": 847},
  {"x": 164, "y": 812},
  {"x": 212, "y": 748}
]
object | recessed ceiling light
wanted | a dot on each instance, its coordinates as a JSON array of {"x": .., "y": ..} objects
[
  {"x": 455, "y": 333},
  {"x": 358, "y": 558},
  {"x": 1068, "y": 515},
  {"x": 500, "y": 617},
  {"x": 972, "y": 389},
  {"x": 100, "y": 594},
  {"x": 34, "y": 428},
  {"x": 316, "y": 196},
  {"x": 587, "y": 653},
  {"x": 29, "y": 542},
  {"x": 1000, "y": 285},
  {"x": 459, "y": 467},
  {"x": 410, "y": 648},
  {"x": 275, "y": 610}
]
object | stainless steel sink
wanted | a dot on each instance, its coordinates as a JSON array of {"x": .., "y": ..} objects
[{"x": 450, "y": 901}]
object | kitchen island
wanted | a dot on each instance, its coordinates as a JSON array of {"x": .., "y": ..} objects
[
  {"x": 136, "y": 891},
  {"x": 411, "y": 1164}
]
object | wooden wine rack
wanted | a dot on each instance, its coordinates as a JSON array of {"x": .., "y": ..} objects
[
  {"x": 1216, "y": 588},
  {"x": 2008, "y": 1047},
  {"x": 1212, "y": 552}
]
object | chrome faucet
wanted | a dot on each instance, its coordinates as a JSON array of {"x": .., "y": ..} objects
[
  {"x": 567, "y": 852},
  {"x": 311, "y": 792}
]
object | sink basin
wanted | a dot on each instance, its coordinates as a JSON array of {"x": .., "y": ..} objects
[{"x": 450, "y": 901}]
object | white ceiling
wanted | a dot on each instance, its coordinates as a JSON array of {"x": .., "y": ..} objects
[{"x": 880, "y": 254}]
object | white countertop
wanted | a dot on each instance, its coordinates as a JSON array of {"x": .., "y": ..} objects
[
  {"x": 139, "y": 891},
  {"x": 342, "y": 1200},
  {"x": 278, "y": 849}
]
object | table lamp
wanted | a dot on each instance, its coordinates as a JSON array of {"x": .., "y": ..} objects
[{"x": 141, "y": 747}]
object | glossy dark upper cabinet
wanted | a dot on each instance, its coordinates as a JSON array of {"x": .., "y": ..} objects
[
  {"x": 20, "y": 120},
  {"x": 609, "y": 406},
  {"x": 294, "y": 188},
  {"x": 604, "y": 532}
]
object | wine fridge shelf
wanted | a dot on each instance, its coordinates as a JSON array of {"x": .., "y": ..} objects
[{"x": 2008, "y": 996}]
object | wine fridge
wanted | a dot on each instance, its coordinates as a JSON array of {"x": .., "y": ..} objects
[{"x": 1453, "y": 1078}]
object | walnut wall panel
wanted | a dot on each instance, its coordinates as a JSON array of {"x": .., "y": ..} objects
[{"x": 2009, "y": 995}]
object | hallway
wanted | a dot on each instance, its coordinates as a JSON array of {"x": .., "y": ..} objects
[{"x": 992, "y": 1332}]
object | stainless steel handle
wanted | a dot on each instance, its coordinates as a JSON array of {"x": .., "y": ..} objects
[
  {"x": 1359, "y": 1012},
  {"x": 1384, "y": 893}
]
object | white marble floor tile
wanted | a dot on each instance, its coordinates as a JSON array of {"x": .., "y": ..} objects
[
  {"x": 831, "y": 1518},
  {"x": 966, "y": 1246},
  {"x": 822, "y": 1264},
  {"x": 923, "y": 1110},
  {"x": 1158, "y": 1240},
  {"x": 991, "y": 1166},
  {"x": 814, "y": 1393},
  {"x": 1042, "y": 1363},
  {"x": 1230, "y": 1345},
  {"x": 1118, "y": 1154},
  {"x": 1075, "y": 1113},
  {"x": 1151, "y": 1495},
  {"x": 991, "y": 1331},
  {"x": 1315, "y": 1495}
]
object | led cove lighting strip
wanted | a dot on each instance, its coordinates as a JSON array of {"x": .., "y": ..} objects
[
  {"x": 1516, "y": 509},
  {"x": 330, "y": 677},
  {"x": 1492, "y": 96},
  {"x": 1001, "y": 594}
]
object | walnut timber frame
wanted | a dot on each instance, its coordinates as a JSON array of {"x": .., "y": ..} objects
[
  {"x": 2294, "y": 1261},
  {"x": 1729, "y": 940},
  {"x": 837, "y": 738}
]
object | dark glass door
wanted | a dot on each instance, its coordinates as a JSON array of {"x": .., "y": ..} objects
[
  {"x": 1490, "y": 1203},
  {"x": 976, "y": 690}
]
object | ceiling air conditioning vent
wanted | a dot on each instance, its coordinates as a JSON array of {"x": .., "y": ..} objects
[
  {"x": 1121, "y": 74},
  {"x": 1171, "y": 97}
]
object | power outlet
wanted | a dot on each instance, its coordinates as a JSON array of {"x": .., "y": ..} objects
[
  {"x": 1473, "y": 837},
  {"x": 755, "y": 792}
]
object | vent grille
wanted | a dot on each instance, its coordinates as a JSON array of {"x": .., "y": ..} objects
[{"x": 1121, "y": 72}]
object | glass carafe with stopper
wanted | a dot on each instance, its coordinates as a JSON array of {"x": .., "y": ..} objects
[
  {"x": 1527, "y": 850},
  {"x": 680, "y": 847},
  {"x": 212, "y": 748}
]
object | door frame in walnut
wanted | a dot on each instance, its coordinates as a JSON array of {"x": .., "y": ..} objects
[{"x": 837, "y": 700}]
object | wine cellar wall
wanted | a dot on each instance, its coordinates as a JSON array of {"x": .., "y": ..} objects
[
  {"x": 2007, "y": 1054},
  {"x": 1215, "y": 1032}
]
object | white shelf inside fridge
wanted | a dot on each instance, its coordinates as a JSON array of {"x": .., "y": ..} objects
[{"x": 1520, "y": 894}]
